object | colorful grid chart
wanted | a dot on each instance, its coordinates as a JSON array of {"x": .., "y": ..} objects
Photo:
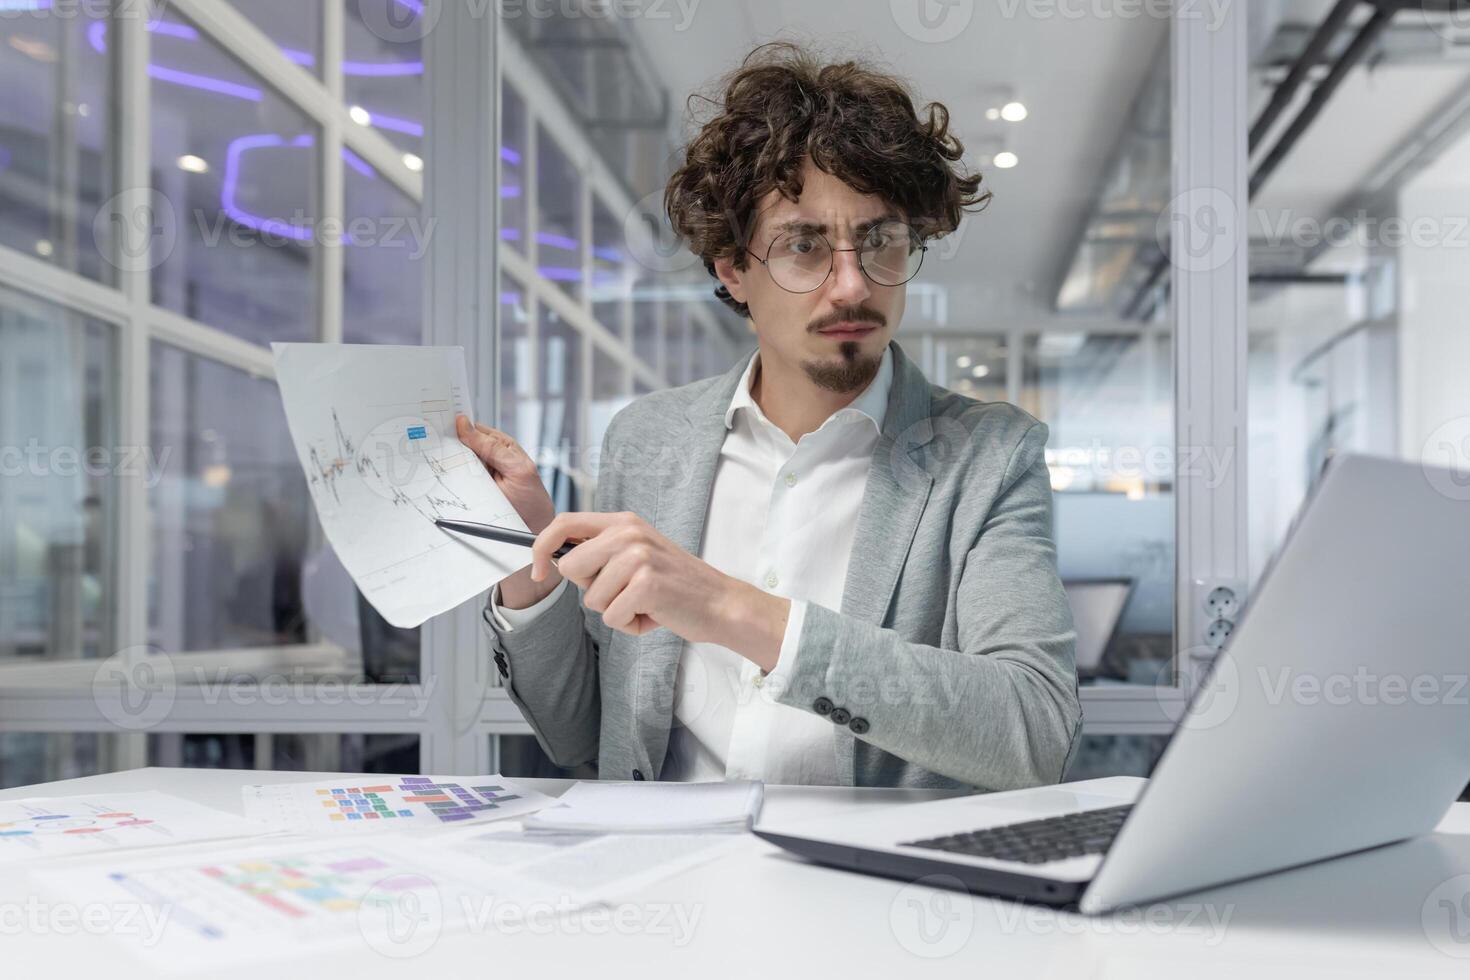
[
  {"x": 291, "y": 888},
  {"x": 412, "y": 796}
]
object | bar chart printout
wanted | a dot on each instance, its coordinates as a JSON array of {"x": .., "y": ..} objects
[{"x": 409, "y": 803}]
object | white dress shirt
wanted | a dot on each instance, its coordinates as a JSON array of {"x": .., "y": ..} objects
[{"x": 782, "y": 516}]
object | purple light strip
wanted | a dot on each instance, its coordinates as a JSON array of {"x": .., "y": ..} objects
[
  {"x": 96, "y": 36},
  {"x": 510, "y": 156},
  {"x": 204, "y": 83},
  {"x": 374, "y": 69},
  {"x": 557, "y": 241},
  {"x": 228, "y": 187},
  {"x": 397, "y": 125},
  {"x": 358, "y": 163}
]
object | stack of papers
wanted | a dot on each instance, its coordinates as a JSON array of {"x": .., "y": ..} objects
[{"x": 653, "y": 808}]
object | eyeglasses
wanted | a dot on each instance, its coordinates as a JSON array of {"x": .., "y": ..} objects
[{"x": 800, "y": 261}]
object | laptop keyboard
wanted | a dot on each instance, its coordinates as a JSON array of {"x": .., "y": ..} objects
[{"x": 1036, "y": 841}]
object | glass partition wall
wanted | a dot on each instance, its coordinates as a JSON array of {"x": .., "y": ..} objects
[{"x": 180, "y": 191}]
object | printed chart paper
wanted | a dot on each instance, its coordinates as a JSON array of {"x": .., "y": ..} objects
[
  {"x": 373, "y": 427},
  {"x": 407, "y": 803},
  {"x": 247, "y": 904},
  {"x": 59, "y": 826}
]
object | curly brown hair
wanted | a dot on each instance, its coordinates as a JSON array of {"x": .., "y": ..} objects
[{"x": 853, "y": 121}]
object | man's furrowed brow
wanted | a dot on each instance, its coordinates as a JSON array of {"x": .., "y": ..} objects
[
  {"x": 800, "y": 224},
  {"x": 859, "y": 228}
]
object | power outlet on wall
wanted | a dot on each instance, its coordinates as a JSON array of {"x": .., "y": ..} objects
[{"x": 1220, "y": 601}]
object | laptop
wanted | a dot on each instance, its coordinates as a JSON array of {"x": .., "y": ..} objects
[{"x": 1335, "y": 720}]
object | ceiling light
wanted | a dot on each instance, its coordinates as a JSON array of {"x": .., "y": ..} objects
[
  {"x": 360, "y": 115},
  {"x": 992, "y": 113},
  {"x": 44, "y": 248},
  {"x": 1005, "y": 160},
  {"x": 35, "y": 50},
  {"x": 980, "y": 370},
  {"x": 189, "y": 163},
  {"x": 413, "y": 162},
  {"x": 1013, "y": 112},
  {"x": 963, "y": 360},
  {"x": 215, "y": 475}
]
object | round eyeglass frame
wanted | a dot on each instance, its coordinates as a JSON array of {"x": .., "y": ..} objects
[{"x": 832, "y": 259}]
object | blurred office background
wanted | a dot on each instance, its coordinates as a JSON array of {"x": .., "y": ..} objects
[{"x": 152, "y": 512}]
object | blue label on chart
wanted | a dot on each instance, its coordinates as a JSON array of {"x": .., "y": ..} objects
[{"x": 417, "y": 432}]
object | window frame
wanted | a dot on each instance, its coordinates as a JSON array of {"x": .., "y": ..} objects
[{"x": 462, "y": 701}]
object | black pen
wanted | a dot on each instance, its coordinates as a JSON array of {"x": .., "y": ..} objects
[{"x": 505, "y": 535}]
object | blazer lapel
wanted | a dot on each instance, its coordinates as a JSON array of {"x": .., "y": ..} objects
[
  {"x": 893, "y": 501},
  {"x": 894, "y": 498}
]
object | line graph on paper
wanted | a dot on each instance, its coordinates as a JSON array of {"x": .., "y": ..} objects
[
  {"x": 374, "y": 429},
  {"x": 402, "y": 459}
]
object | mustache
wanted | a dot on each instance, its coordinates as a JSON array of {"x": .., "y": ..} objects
[{"x": 856, "y": 314}]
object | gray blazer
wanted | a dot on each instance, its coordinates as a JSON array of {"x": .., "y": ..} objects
[{"x": 950, "y": 663}]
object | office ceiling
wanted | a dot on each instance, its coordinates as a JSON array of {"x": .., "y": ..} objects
[{"x": 1077, "y": 78}]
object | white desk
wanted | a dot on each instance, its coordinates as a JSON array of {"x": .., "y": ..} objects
[{"x": 763, "y": 914}]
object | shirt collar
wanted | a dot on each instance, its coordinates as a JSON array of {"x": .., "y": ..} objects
[{"x": 871, "y": 404}]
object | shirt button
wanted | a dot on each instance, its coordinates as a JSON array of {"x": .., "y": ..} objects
[
  {"x": 791, "y": 479},
  {"x": 772, "y": 581},
  {"x": 759, "y": 679}
]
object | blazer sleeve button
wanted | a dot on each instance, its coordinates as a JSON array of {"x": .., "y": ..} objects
[
  {"x": 859, "y": 726},
  {"x": 822, "y": 706},
  {"x": 840, "y": 716}
]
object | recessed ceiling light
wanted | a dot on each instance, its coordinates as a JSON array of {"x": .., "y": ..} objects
[
  {"x": 980, "y": 370},
  {"x": 44, "y": 248},
  {"x": 992, "y": 113},
  {"x": 1005, "y": 160},
  {"x": 413, "y": 162},
  {"x": 189, "y": 163},
  {"x": 963, "y": 360},
  {"x": 1013, "y": 112},
  {"x": 360, "y": 115}
]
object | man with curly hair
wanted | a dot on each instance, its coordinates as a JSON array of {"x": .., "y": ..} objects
[{"x": 818, "y": 568}]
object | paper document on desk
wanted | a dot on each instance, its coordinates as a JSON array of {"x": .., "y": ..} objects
[
  {"x": 190, "y": 912},
  {"x": 386, "y": 803},
  {"x": 60, "y": 826},
  {"x": 373, "y": 427},
  {"x": 643, "y": 807}
]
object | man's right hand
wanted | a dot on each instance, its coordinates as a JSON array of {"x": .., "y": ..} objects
[{"x": 514, "y": 472}]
